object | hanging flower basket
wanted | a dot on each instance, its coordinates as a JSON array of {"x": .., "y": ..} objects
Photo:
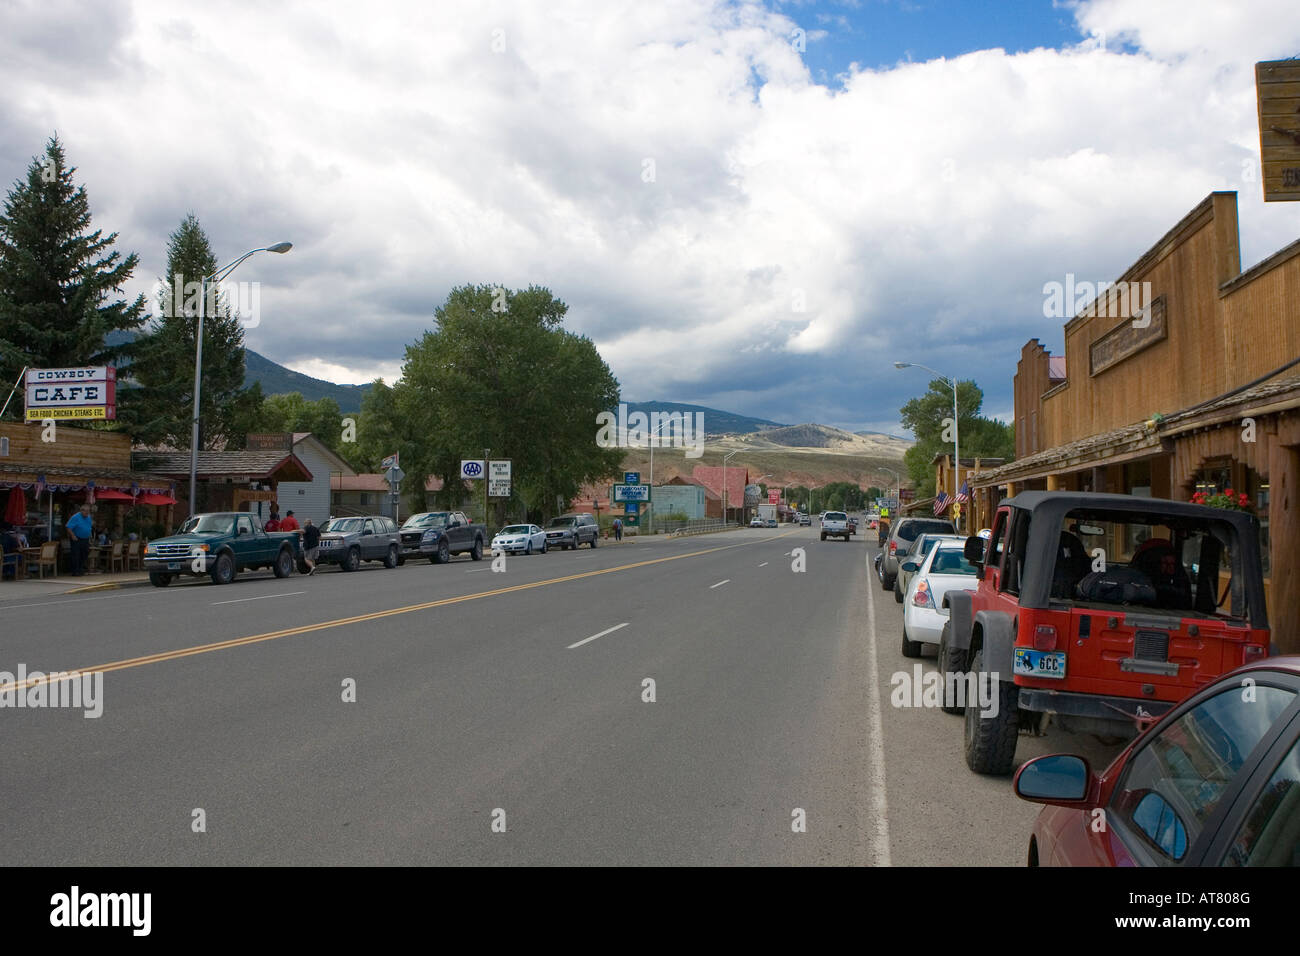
[{"x": 1227, "y": 499}]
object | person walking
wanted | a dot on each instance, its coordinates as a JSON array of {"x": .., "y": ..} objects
[
  {"x": 79, "y": 528},
  {"x": 310, "y": 546},
  {"x": 618, "y": 530}
]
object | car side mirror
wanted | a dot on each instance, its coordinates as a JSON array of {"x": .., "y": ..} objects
[
  {"x": 973, "y": 550},
  {"x": 1058, "y": 779},
  {"x": 911, "y": 567}
]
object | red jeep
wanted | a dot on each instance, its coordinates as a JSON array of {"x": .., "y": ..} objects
[{"x": 1101, "y": 610}]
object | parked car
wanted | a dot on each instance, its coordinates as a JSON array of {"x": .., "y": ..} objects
[
  {"x": 925, "y": 611},
  {"x": 349, "y": 541},
  {"x": 900, "y": 536},
  {"x": 757, "y": 522},
  {"x": 220, "y": 545},
  {"x": 1106, "y": 635},
  {"x": 569, "y": 531},
  {"x": 915, "y": 554},
  {"x": 525, "y": 538},
  {"x": 769, "y": 523},
  {"x": 1215, "y": 782},
  {"x": 437, "y": 535}
]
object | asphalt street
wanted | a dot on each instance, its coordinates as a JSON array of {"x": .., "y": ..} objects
[{"x": 671, "y": 701}]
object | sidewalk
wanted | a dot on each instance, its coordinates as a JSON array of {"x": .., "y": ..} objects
[{"x": 66, "y": 584}]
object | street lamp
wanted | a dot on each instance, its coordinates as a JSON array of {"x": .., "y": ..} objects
[
  {"x": 726, "y": 458},
  {"x": 898, "y": 480},
  {"x": 650, "y": 529},
  {"x": 956, "y": 447},
  {"x": 218, "y": 276}
]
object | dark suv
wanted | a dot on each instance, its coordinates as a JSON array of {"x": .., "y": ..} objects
[
  {"x": 901, "y": 536},
  {"x": 569, "y": 531}
]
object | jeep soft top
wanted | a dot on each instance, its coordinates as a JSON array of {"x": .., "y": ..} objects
[{"x": 1103, "y": 610}]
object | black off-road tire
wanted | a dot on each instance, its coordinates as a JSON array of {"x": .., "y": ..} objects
[
  {"x": 443, "y": 554},
  {"x": 283, "y": 566},
  {"x": 352, "y": 560},
  {"x": 392, "y": 559},
  {"x": 991, "y": 741},
  {"x": 160, "y": 579},
  {"x": 476, "y": 554}
]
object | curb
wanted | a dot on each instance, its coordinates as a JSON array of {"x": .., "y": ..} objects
[{"x": 108, "y": 586}]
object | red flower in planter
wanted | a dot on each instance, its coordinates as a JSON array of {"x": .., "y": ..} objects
[{"x": 1243, "y": 500}]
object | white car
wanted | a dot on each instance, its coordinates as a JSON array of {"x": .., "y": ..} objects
[
  {"x": 519, "y": 537},
  {"x": 756, "y": 522},
  {"x": 945, "y": 569}
]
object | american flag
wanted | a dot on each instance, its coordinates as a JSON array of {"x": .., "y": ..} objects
[
  {"x": 963, "y": 495},
  {"x": 941, "y": 502}
]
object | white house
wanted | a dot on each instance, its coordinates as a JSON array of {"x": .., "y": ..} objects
[{"x": 311, "y": 499}]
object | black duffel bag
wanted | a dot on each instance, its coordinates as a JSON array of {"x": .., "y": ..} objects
[{"x": 1117, "y": 585}]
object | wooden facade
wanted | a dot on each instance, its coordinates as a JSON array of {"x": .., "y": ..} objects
[{"x": 1199, "y": 389}]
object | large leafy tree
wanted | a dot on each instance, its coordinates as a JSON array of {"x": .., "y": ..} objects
[
  {"x": 59, "y": 280},
  {"x": 499, "y": 372},
  {"x": 290, "y": 412},
  {"x": 930, "y": 420},
  {"x": 164, "y": 376}
]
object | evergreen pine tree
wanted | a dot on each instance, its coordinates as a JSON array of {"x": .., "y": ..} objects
[
  {"x": 58, "y": 279},
  {"x": 164, "y": 377}
]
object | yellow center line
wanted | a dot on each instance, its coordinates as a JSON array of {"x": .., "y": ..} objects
[{"x": 361, "y": 618}]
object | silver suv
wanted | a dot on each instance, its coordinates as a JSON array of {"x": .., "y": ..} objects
[
  {"x": 569, "y": 531},
  {"x": 901, "y": 536},
  {"x": 349, "y": 541}
]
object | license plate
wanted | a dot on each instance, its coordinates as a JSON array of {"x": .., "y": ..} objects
[
  {"x": 1040, "y": 663},
  {"x": 173, "y": 565}
]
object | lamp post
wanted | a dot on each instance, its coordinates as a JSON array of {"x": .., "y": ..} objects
[
  {"x": 956, "y": 447},
  {"x": 898, "y": 481},
  {"x": 650, "y": 530},
  {"x": 218, "y": 276},
  {"x": 726, "y": 458}
]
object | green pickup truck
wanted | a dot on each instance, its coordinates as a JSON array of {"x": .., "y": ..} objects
[{"x": 221, "y": 545}]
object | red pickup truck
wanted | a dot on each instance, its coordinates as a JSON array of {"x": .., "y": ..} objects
[{"x": 1101, "y": 610}]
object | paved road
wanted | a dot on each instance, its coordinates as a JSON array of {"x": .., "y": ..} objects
[{"x": 481, "y": 695}]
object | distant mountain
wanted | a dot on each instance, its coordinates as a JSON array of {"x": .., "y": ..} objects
[
  {"x": 277, "y": 380},
  {"x": 716, "y": 422}
]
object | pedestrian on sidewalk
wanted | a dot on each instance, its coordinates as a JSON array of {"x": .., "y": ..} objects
[
  {"x": 290, "y": 523},
  {"x": 79, "y": 528},
  {"x": 618, "y": 530},
  {"x": 310, "y": 546}
]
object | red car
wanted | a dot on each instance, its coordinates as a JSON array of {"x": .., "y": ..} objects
[{"x": 1215, "y": 782}]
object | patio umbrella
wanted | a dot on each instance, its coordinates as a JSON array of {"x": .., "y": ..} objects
[{"x": 16, "y": 508}]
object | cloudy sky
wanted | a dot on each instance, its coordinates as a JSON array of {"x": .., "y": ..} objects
[{"x": 754, "y": 206}]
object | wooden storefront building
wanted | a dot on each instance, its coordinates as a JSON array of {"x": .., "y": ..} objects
[{"x": 1191, "y": 385}]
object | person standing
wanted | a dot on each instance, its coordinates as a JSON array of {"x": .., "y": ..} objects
[
  {"x": 618, "y": 530},
  {"x": 79, "y": 528},
  {"x": 310, "y": 546},
  {"x": 273, "y": 522},
  {"x": 290, "y": 523}
]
